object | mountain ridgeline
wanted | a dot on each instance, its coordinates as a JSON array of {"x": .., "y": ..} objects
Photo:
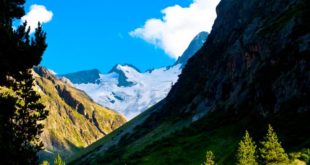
[
  {"x": 74, "y": 121},
  {"x": 128, "y": 90},
  {"x": 252, "y": 71},
  {"x": 193, "y": 47},
  {"x": 89, "y": 76}
]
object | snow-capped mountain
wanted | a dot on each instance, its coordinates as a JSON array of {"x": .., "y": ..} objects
[{"x": 130, "y": 91}]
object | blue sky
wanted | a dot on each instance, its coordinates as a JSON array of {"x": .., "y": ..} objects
[{"x": 101, "y": 33}]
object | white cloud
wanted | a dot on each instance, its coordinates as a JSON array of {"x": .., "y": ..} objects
[
  {"x": 37, "y": 13},
  {"x": 178, "y": 27}
]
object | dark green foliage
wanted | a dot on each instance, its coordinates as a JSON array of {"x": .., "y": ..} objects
[
  {"x": 45, "y": 163},
  {"x": 11, "y": 9},
  {"x": 58, "y": 161},
  {"x": 209, "y": 158},
  {"x": 184, "y": 147},
  {"x": 20, "y": 106},
  {"x": 18, "y": 52},
  {"x": 305, "y": 155},
  {"x": 247, "y": 151},
  {"x": 271, "y": 151}
]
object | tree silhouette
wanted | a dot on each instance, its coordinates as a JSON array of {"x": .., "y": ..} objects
[{"x": 20, "y": 108}]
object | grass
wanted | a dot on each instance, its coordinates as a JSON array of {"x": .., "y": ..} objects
[
  {"x": 109, "y": 137},
  {"x": 169, "y": 143},
  {"x": 188, "y": 148}
]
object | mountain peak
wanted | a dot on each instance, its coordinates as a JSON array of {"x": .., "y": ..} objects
[
  {"x": 122, "y": 70},
  {"x": 202, "y": 36},
  {"x": 44, "y": 72},
  {"x": 193, "y": 47},
  {"x": 123, "y": 67}
]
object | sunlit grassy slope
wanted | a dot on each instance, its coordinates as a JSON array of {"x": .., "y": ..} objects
[{"x": 74, "y": 120}]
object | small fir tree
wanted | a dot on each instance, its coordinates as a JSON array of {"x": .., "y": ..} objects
[
  {"x": 247, "y": 151},
  {"x": 272, "y": 152},
  {"x": 58, "y": 161},
  {"x": 209, "y": 158}
]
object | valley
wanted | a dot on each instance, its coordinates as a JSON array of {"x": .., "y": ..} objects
[
  {"x": 238, "y": 94},
  {"x": 247, "y": 75}
]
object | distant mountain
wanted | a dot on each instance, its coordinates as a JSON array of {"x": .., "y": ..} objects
[
  {"x": 74, "y": 120},
  {"x": 128, "y": 90},
  {"x": 88, "y": 76},
  {"x": 193, "y": 47},
  {"x": 254, "y": 70},
  {"x": 122, "y": 79}
]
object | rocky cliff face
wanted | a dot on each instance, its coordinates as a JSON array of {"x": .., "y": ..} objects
[
  {"x": 253, "y": 70},
  {"x": 256, "y": 57},
  {"x": 74, "y": 120}
]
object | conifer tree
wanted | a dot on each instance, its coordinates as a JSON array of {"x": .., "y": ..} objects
[
  {"x": 209, "y": 158},
  {"x": 247, "y": 151},
  {"x": 58, "y": 161},
  {"x": 272, "y": 152},
  {"x": 20, "y": 107},
  {"x": 45, "y": 163}
]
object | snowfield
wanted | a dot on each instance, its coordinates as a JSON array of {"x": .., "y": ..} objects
[{"x": 138, "y": 92}]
